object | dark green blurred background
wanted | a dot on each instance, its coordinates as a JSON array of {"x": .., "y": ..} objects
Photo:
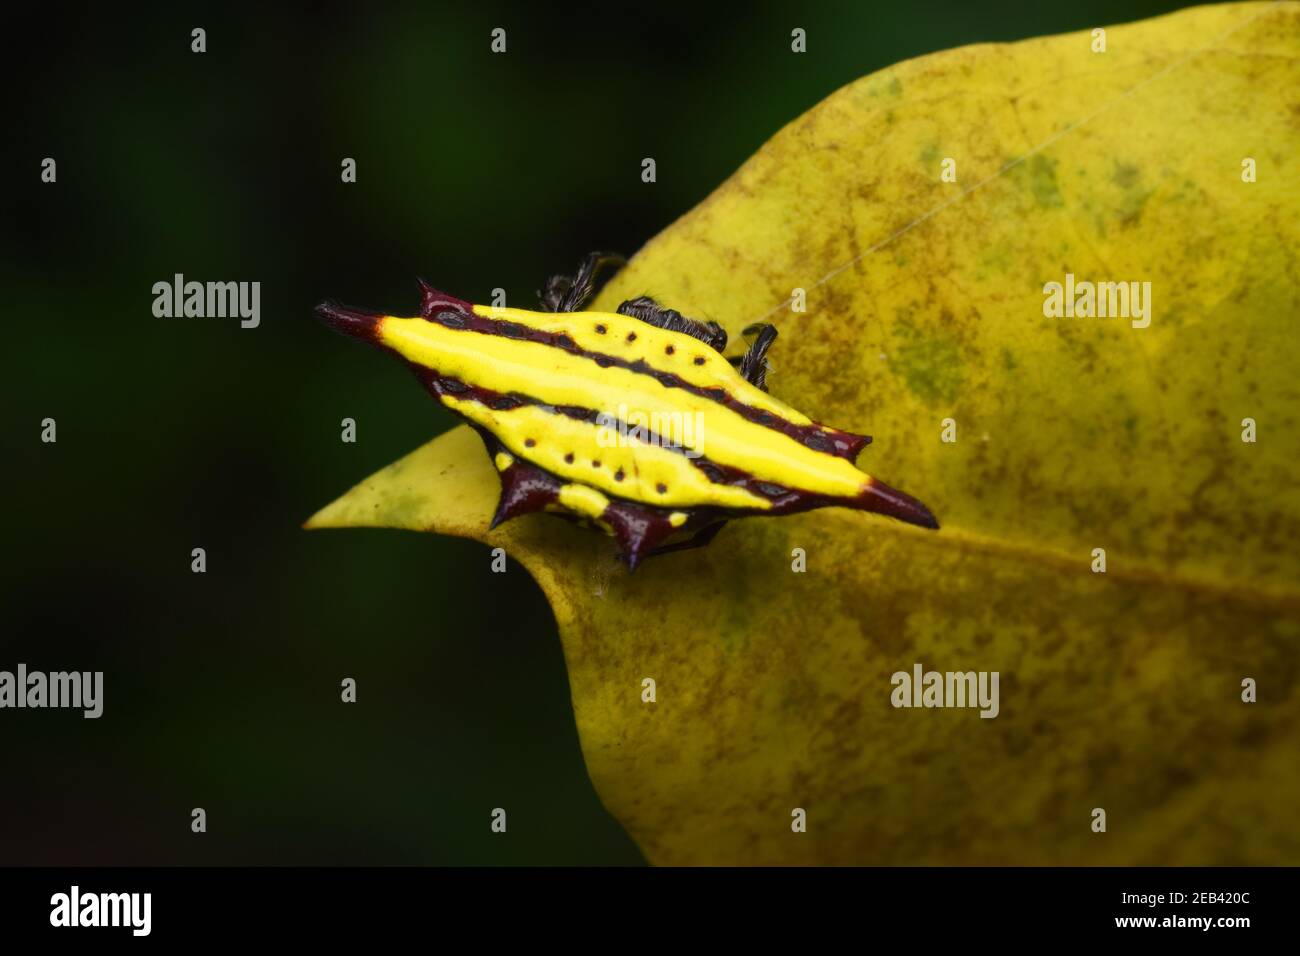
[{"x": 474, "y": 170}]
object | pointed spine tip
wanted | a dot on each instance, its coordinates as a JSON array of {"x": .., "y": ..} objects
[
  {"x": 433, "y": 301},
  {"x": 359, "y": 323},
  {"x": 882, "y": 499}
]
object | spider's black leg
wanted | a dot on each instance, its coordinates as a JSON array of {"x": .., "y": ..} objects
[
  {"x": 553, "y": 294},
  {"x": 717, "y": 336},
  {"x": 753, "y": 364},
  {"x": 697, "y": 540},
  {"x": 571, "y": 293},
  {"x": 563, "y": 294},
  {"x": 644, "y": 308},
  {"x": 652, "y": 313}
]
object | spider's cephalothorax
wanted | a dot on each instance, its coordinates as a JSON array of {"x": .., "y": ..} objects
[{"x": 633, "y": 420}]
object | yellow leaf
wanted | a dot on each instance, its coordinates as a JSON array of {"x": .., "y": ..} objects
[{"x": 1119, "y": 691}]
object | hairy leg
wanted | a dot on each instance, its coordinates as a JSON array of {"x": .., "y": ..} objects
[
  {"x": 652, "y": 313},
  {"x": 570, "y": 294},
  {"x": 753, "y": 364}
]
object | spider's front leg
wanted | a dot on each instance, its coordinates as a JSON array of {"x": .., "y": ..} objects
[
  {"x": 652, "y": 313},
  {"x": 570, "y": 294}
]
